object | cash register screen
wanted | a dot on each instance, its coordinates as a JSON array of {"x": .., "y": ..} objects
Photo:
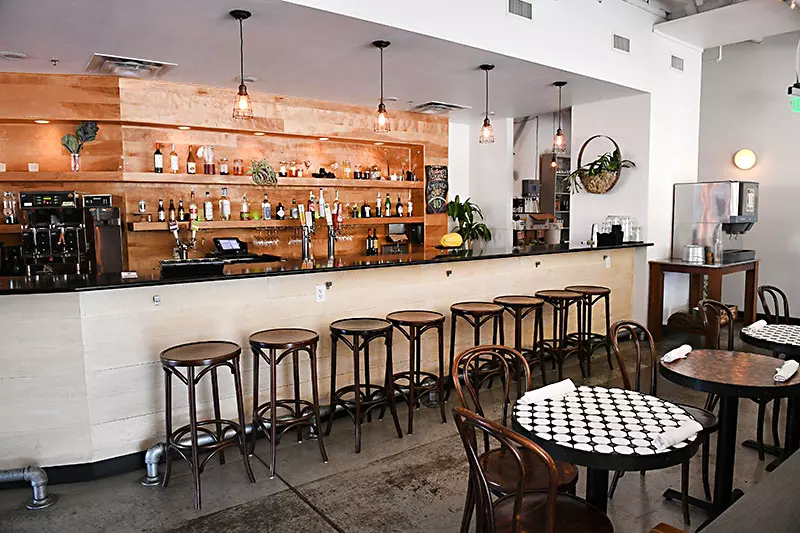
[{"x": 228, "y": 245}]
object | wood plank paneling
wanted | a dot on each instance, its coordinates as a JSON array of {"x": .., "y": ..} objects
[{"x": 58, "y": 97}]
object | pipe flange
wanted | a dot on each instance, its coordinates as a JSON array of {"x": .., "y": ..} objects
[
  {"x": 147, "y": 481},
  {"x": 36, "y": 505}
]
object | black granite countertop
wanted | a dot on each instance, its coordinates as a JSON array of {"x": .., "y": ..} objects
[{"x": 75, "y": 283}]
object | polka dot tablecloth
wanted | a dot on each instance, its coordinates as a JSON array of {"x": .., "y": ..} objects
[
  {"x": 603, "y": 421},
  {"x": 776, "y": 333}
]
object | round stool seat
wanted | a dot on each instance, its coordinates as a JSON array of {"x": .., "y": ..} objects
[
  {"x": 360, "y": 326},
  {"x": 286, "y": 338},
  {"x": 590, "y": 290},
  {"x": 477, "y": 308},
  {"x": 558, "y": 295},
  {"x": 203, "y": 353},
  {"x": 518, "y": 301},
  {"x": 414, "y": 318}
]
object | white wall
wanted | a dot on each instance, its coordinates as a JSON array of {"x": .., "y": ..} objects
[
  {"x": 491, "y": 184},
  {"x": 744, "y": 105},
  {"x": 526, "y": 151},
  {"x": 459, "y": 147}
]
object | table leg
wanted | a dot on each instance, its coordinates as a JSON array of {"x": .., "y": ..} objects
[
  {"x": 750, "y": 294},
  {"x": 597, "y": 488},
  {"x": 695, "y": 289},
  {"x": 715, "y": 284},
  {"x": 655, "y": 301},
  {"x": 726, "y": 452},
  {"x": 792, "y": 434}
]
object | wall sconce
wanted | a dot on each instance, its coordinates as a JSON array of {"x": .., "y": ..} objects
[{"x": 745, "y": 159}]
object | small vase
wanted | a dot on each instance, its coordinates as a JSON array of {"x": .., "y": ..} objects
[{"x": 75, "y": 160}]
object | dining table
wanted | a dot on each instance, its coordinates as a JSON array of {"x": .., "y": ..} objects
[
  {"x": 732, "y": 375},
  {"x": 605, "y": 430}
]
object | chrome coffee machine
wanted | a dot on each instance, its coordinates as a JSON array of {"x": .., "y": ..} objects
[
  {"x": 66, "y": 233},
  {"x": 702, "y": 212}
]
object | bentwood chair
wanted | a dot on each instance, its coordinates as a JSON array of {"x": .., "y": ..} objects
[
  {"x": 500, "y": 471},
  {"x": 716, "y": 316},
  {"x": 640, "y": 335},
  {"x": 780, "y": 302},
  {"x": 521, "y": 510}
]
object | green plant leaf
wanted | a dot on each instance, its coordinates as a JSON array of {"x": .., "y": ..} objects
[
  {"x": 71, "y": 143},
  {"x": 86, "y": 131}
]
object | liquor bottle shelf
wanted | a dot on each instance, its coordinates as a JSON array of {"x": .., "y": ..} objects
[
  {"x": 99, "y": 176},
  {"x": 272, "y": 223}
]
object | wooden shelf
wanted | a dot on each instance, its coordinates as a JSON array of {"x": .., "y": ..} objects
[
  {"x": 112, "y": 175},
  {"x": 216, "y": 179},
  {"x": 259, "y": 224},
  {"x": 10, "y": 228}
]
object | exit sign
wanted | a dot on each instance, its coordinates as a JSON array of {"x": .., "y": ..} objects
[{"x": 795, "y": 104}]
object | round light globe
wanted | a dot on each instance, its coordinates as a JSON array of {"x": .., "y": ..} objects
[{"x": 745, "y": 159}]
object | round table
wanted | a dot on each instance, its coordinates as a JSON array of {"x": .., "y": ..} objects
[
  {"x": 603, "y": 430},
  {"x": 732, "y": 375},
  {"x": 778, "y": 338}
]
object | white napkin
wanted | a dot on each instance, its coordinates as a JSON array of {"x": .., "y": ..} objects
[
  {"x": 786, "y": 371},
  {"x": 678, "y": 434},
  {"x": 678, "y": 353},
  {"x": 758, "y": 324},
  {"x": 549, "y": 392}
]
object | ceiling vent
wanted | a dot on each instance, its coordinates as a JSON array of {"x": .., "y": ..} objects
[
  {"x": 623, "y": 44},
  {"x": 128, "y": 67},
  {"x": 521, "y": 8},
  {"x": 13, "y": 56},
  {"x": 437, "y": 108},
  {"x": 677, "y": 63}
]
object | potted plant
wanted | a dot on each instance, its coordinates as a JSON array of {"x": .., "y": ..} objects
[
  {"x": 469, "y": 218},
  {"x": 84, "y": 133},
  {"x": 263, "y": 173},
  {"x": 599, "y": 176}
]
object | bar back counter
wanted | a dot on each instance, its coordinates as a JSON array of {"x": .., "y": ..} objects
[{"x": 82, "y": 380}]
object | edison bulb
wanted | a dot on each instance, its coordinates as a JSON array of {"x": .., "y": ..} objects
[
  {"x": 242, "y": 107},
  {"x": 560, "y": 141},
  {"x": 487, "y": 132},
  {"x": 382, "y": 120}
]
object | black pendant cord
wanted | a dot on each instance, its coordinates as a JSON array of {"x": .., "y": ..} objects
[
  {"x": 559, "y": 108},
  {"x": 487, "y": 94},
  {"x": 241, "y": 53},
  {"x": 381, "y": 49}
]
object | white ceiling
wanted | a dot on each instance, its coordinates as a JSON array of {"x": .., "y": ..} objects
[
  {"x": 293, "y": 50},
  {"x": 735, "y": 23}
]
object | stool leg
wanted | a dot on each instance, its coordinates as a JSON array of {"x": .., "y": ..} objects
[
  {"x": 588, "y": 334},
  {"x": 332, "y": 410},
  {"x": 440, "y": 330},
  {"x": 312, "y": 355},
  {"x": 453, "y": 375},
  {"x": 367, "y": 378},
  {"x": 555, "y": 335},
  {"x": 193, "y": 434},
  {"x": 237, "y": 382},
  {"x": 608, "y": 330},
  {"x": 518, "y": 330},
  {"x": 168, "y": 419},
  {"x": 412, "y": 375},
  {"x": 256, "y": 363},
  {"x": 296, "y": 376},
  {"x": 357, "y": 386},
  {"x": 217, "y": 413},
  {"x": 538, "y": 326},
  {"x": 388, "y": 383},
  {"x": 273, "y": 412}
]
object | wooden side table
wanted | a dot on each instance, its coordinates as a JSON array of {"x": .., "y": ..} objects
[{"x": 655, "y": 307}]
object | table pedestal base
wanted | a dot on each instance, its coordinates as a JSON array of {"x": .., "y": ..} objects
[
  {"x": 597, "y": 488},
  {"x": 705, "y": 505},
  {"x": 770, "y": 449}
]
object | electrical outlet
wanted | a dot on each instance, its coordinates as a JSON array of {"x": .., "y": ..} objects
[
  {"x": 607, "y": 259},
  {"x": 156, "y": 300},
  {"x": 320, "y": 293}
]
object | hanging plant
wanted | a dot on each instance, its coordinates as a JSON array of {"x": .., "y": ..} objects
[
  {"x": 263, "y": 173},
  {"x": 599, "y": 176}
]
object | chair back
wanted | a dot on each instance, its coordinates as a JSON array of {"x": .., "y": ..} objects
[
  {"x": 779, "y": 300},
  {"x": 512, "y": 443},
  {"x": 475, "y": 366},
  {"x": 712, "y": 313},
  {"x": 642, "y": 341}
]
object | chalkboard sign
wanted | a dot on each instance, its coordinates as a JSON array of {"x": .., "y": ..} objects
[{"x": 436, "y": 187}]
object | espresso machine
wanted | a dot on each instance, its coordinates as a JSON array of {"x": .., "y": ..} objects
[
  {"x": 66, "y": 233},
  {"x": 703, "y": 212}
]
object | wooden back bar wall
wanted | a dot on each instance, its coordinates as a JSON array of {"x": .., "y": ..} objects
[{"x": 135, "y": 114}]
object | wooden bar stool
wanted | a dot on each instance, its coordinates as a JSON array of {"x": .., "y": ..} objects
[
  {"x": 476, "y": 314},
  {"x": 273, "y": 345},
  {"x": 519, "y": 307},
  {"x": 208, "y": 356},
  {"x": 366, "y": 396},
  {"x": 588, "y": 340},
  {"x": 419, "y": 382},
  {"x": 558, "y": 346}
]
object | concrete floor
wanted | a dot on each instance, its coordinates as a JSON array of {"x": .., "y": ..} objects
[{"x": 416, "y": 483}]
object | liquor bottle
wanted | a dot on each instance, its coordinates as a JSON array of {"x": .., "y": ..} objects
[
  {"x": 379, "y": 206},
  {"x": 399, "y": 206},
  {"x": 224, "y": 205},
  {"x": 410, "y": 206},
  {"x": 321, "y": 210},
  {"x": 365, "y": 210},
  {"x": 312, "y": 207},
  {"x": 369, "y": 242},
  {"x": 192, "y": 207},
  {"x": 294, "y": 212},
  {"x": 208, "y": 207},
  {"x": 171, "y": 210},
  {"x": 374, "y": 241},
  {"x": 280, "y": 212},
  {"x": 173, "y": 160},
  {"x": 388, "y": 207},
  {"x": 162, "y": 216},
  {"x": 191, "y": 164},
  {"x": 244, "y": 211},
  {"x": 181, "y": 211},
  {"x": 266, "y": 208},
  {"x": 158, "y": 160}
]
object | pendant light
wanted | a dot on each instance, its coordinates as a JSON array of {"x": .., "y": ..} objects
[
  {"x": 382, "y": 118},
  {"x": 242, "y": 106},
  {"x": 487, "y": 131},
  {"x": 560, "y": 140}
]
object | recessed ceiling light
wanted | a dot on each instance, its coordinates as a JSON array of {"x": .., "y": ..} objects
[
  {"x": 13, "y": 56},
  {"x": 247, "y": 79},
  {"x": 184, "y": 128},
  {"x": 259, "y": 133},
  {"x": 391, "y": 99},
  {"x": 41, "y": 121},
  {"x": 324, "y": 138},
  {"x": 379, "y": 144}
]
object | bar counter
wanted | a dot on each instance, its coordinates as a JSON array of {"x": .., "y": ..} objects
[{"x": 82, "y": 381}]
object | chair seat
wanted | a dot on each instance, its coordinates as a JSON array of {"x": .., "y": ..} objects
[
  {"x": 706, "y": 418},
  {"x": 284, "y": 338},
  {"x": 519, "y": 301},
  {"x": 573, "y": 515},
  {"x": 415, "y": 318},
  {"x": 501, "y": 470},
  {"x": 203, "y": 353},
  {"x": 589, "y": 290},
  {"x": 558, "y": 295},
  {"x": 360, "y": 326},
  {"x": 477, "y": 308}
]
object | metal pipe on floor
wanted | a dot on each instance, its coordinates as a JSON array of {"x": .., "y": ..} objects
[{"x": 37, "y": 477}]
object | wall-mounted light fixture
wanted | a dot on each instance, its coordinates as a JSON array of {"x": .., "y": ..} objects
[{"x": 745, "y": 159}]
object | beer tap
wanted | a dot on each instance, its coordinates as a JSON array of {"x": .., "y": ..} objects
[
  {"x": 184, "y": 247},
  {"x": 307, "y": 226},
  {"x": 332, "y": 234}
]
